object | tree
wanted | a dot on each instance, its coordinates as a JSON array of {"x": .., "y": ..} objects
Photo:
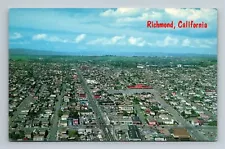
[
  {"x": 182, "y": 114},
  {"x": 46, "y": 133},
  {"x": 135, "y": 100},
  {"x": 213, "y": 123},
  {"x": 125, "y": 113},
  {"x": 74, "y": 114},
  {"x": 60, "y": 113},
  {"x": 72, "y": 133}
]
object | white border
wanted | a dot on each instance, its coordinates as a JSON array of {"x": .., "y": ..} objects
[{"x": 4, "y": 5}]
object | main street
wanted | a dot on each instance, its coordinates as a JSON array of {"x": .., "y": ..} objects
[
  {"x": 97, "y": 110},
  {"x": 54, "y": 124}
]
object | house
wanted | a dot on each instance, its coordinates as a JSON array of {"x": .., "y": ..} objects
[
  {"x": 64, "y": 117},
  {"x": 66, "y": 99},
  {"x": 48, "y": 112},
  {"x": 160, "y": 139},
  {"x": 52, "y": 96},
  {"x": 187, "y": 112},
  {"x": 152, "y": 122},
  {"x": 45, "y": 122},
  {"x": 63, "y": 123},
  {"x": 197, "y": 122},
  {"x": 28, "y": 135},
  {"x": 204, "y": 116},
  {"x": 38, "y": 138},
  {"x": 86, "y": 112},
  {"x": 42, "y": 132},
  {"x": 127, "y": 108}
]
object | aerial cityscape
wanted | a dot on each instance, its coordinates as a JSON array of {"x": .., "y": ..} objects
[{"x": 111, "y": 81}]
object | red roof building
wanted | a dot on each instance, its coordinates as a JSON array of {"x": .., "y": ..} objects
[
  {"x": 139, "y": 86},
  {"x": 82, "y": 95},
  {"x": 97, "y": 96}
]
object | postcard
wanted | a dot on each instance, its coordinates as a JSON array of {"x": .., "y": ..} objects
[{"x": 112, "y": 74}]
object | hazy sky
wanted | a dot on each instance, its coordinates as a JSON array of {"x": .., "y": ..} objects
[{"x": 118, "y": 30}]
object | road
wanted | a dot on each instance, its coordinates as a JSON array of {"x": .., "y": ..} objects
[
  {"x": 191, "y": 128},
  {"x": 96, "y": 109},
  {"x": 140, "y": 114},
  {"x": 25, "y": 104},
  {"x": 54, "y": 124},
  {"x": 195, "y": 134}
]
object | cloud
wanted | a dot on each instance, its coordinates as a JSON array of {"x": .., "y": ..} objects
[
  {"x": 186, "y": 43},
  {"x": 39, "y": 37},
  {"x": 49, "y": 38},
  {"x": 120, "y": 12},
  {"x": 192, "y": 14},
  {"x": 168, "y": 41},
  {"x": 80, "y": 37},
  {"x": 16, "y": 36},
  {"x": 131, "y": 14},
  {"x": 108, "y": 41},
  {"x": 137, "y": 41},
  {"x": 142, "y": 17}
]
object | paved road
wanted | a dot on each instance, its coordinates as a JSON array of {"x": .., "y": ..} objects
[
  {"x": 195, "y": 134},
  {"x": 54, "y": 127},
  {"x": 140, "y": 114},
  {"x": 192, "y": 127},
  {"x": 97, "y": 110}
]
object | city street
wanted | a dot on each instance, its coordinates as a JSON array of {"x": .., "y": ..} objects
[
  {"x": 96, "y": 109},
  {"x": 54, "y": 124}
]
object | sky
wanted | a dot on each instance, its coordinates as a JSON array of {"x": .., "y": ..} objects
[{"x": 111, "y": 30}]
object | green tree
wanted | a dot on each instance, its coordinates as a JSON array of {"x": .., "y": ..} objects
[
  {"x": 125, "y": 113},
  {"x": 72, "y": 133},
  {"x": 60, "y": 113}
]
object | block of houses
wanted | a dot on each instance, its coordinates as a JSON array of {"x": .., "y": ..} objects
[
  {"x": 64, "y": 117},
  {"x": 127, "y": 108},
  {"x": 166, "y": 119}
]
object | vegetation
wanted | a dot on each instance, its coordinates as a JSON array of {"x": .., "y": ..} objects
[
  {"x": 213, "y": 123},
  {"x": 60, "y": 113},
  {"x": 74, "y": 114},
  {"x": 125, "y": 113},
  {"x": 17, "y": 135}
]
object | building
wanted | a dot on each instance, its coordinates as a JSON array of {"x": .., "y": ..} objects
[
  {"x": 166, "y": 119},
  {"x": 152, "y": 122},
  {"x": 133, "y": 133},
  {"x": 75, "y": 121},
  {"x": 139, "y": 86},
  {"x": 127, "y": 108},
  {"x": 64, "y": 117},
  {"x": 136, "y": 120},
  {"x": 118, "y": 120},
  {"x": 181, "y": 134},
  {"x": 38, "y": 138}
]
